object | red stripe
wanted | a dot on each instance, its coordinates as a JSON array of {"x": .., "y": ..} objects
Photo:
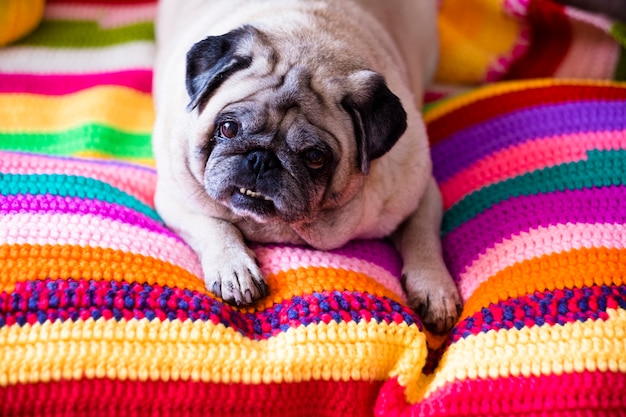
[
  {"x": 588, "y": 393},
  {"x": 479, "y": 111},
  {"x": 103, "y": 397},
  {"x": 140, "y": 80},
  {"x": 551, "y": 36}
]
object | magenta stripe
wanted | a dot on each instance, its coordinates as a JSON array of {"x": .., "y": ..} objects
[
  {"x": 140, "y": 80},
  {"x": 20, "y": 203},
  {"x": 378, "y": 252},
  {"x": 520, "y": 214}
]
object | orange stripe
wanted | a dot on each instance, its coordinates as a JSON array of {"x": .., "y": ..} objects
[
  {"x": 19, "y": 263},
  {"x": 287, "y": 284},
  {"x": 572, "y": 269}
]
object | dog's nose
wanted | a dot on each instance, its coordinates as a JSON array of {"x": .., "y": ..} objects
[{"x": 261, "y": 160}]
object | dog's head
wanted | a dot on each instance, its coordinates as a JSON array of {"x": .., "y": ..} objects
[{"x": 283, "y": 133}]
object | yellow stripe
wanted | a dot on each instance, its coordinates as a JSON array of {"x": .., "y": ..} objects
[
  {"x": 116, "y": 106},
  {"x": 594, "y": 345},
  {"x": 491, "y": 90},
  {"x": 201, "y": 351}
]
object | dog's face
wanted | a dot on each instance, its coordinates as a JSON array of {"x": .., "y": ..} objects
[{"x": 284, "y": 131}]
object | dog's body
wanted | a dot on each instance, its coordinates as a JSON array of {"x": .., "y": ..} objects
[{"x": 298, "y": 121}]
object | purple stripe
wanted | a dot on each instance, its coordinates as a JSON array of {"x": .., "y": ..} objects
[
  {"x": 43, "y": 204},
  {"x": 548, "y": 308},
  {"x": 75, "y": 299},
  {"x": 468, "y": 146},
  {"x": 520, "y": 214}
]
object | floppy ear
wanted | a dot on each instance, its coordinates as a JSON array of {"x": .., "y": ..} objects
[
  {"x": 212, "y": 60},
  {"x": 377, "y": 114}
]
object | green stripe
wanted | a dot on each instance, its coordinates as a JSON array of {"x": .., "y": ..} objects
[
  {"x": 618, "y": 30},
  {"x": 71, "y": 186},
  {"x": 87, "y": 138},
  {"x": 619, "y": 33},
  {"x": 86, "y": 34},
  {"x": 602, "y": 169}
]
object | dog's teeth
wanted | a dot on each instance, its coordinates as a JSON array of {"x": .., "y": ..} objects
[{"x": 253, "y": 194}]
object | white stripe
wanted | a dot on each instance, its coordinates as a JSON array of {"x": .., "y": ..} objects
[
  {"x": 107, "y": 16},
  {"x": 44, "y": 60}
]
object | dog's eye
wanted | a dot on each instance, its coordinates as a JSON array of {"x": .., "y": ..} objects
[
  {"x": 315, "y": 159},
  {"x": 228, "y": 129}
]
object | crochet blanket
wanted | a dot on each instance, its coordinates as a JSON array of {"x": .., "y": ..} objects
[{"x": 103, "y": 310}]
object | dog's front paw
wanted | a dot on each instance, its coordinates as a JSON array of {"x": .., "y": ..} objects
[
  {"x": 434, "y": 297},
  {"x": 234, "y": 276}
]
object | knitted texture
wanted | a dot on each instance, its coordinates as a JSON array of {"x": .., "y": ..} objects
[
  {"x": 533, "y": 176},
  {"x": 103, "y": 310}
]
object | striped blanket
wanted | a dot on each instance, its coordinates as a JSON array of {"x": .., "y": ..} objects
[{"x": 103, "y": 310}]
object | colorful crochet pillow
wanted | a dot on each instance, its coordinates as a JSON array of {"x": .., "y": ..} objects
[
  {"x": 533, "y": 176},
  {"x": 103, "y": 312}
]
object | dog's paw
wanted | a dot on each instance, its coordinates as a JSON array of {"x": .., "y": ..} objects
[
  {"x": 435, "y": 298},
  {"x": 235, "y": 276}
]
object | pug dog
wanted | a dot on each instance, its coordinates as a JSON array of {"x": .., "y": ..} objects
[{"x": 298, "y": 121}]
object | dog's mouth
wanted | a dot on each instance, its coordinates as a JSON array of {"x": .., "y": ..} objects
[{"x": 251, "y": 202}]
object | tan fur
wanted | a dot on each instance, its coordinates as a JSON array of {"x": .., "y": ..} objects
[{"x": 394, "y": 38}]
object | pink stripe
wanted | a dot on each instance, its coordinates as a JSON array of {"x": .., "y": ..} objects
[
  {"x": 597, "y": 20},
  {"x": 93, "y": 231},
  {"x": 527, "y": 157},
  {"x": 285, "y": 258},
  {"x": 536, "y": 243},
  {"x": 137, "y": 181},
  {"x": 140, "y": 80},
  {"x": 593, "y": 52}
]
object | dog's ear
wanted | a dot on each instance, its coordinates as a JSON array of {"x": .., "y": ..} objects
[
  {"x": 212, "y": 60},
  {"x": 377, "y": 115}
]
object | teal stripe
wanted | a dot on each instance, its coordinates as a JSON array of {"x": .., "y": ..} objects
[
  {"x": 71, "y": 186},
  {"x": 602, "y": 169},
  {"x": 87, "y": 138},
  {"x": 86, "y": 34}
]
